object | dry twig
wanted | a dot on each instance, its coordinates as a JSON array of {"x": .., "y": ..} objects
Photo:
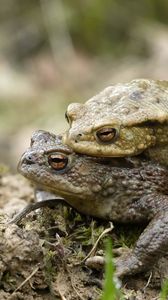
[{"x": 27, "y": 279}]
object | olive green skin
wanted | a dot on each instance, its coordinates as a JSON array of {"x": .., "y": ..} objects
[
  {"x": 122, "y": 190},
  {"x": 137, "y": 111}
]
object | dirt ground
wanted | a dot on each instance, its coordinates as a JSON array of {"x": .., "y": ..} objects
[{"x": 41, "y": 258}]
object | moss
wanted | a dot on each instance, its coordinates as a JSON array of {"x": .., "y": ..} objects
[{"x": 50, "y": 270}]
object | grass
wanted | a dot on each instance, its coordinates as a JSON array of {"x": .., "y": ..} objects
[
  {"x": 111, "y": 289},
  {"x": 164, "y": 291}
]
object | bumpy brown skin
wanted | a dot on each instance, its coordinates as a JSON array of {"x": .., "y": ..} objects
[
  {"x": 138, "y": 110},
  {"x": 121, "y": 190}
]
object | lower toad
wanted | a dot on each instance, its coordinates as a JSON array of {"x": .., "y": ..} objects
[{"x": 123, "y": 190}]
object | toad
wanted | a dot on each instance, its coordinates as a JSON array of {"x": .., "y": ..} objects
[
  {"x": 122, "y": 190},
  {"x": 124, "y": 119}
]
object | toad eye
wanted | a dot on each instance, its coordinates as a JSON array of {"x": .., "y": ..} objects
[
  {"x": 58, "y": 161},
  {"x": 106, "y": 135}
]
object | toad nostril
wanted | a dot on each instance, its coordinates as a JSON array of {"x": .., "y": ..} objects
[{"x": 29, "y": 159}]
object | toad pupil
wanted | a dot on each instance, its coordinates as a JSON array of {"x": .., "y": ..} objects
[{"x": 57, "y": 161}]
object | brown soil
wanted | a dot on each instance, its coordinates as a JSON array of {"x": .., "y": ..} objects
[{"x": 42, "y": 257}]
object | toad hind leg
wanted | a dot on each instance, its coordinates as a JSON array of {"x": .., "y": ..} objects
[{"x": 151, "y": 245}]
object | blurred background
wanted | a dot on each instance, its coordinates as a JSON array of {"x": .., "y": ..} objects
[{"x": 54, "y": 52}]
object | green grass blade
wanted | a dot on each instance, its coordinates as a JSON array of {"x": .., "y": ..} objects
[
  {"x": 110, "y": 291},
  {"x": 164, "y": 291}
]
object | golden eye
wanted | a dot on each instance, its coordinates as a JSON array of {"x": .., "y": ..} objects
[
  {"x": 106, "y": 135},
  {"x": 58, "y": 161}
]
